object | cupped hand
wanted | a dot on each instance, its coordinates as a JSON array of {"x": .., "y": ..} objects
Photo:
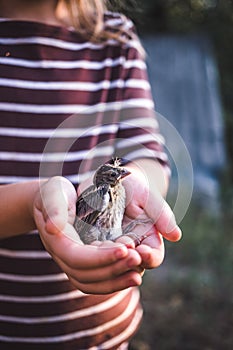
[
  {"x": 152, "y": 214},
  {"x": 99, "y": 268}
]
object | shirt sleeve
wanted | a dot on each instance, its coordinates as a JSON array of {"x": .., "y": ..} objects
[{"x": 138, "y": 133}]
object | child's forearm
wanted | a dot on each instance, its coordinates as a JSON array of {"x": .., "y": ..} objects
[{"x": 16, "y": 203}]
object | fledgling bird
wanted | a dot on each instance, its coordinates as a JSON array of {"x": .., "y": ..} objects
[{"x": 100, "y": 208}]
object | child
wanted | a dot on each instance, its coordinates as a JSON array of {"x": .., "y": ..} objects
[{"x": 74, "y": 93}]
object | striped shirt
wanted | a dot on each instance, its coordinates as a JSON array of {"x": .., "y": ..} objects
[{"x": 66, "y": 106}]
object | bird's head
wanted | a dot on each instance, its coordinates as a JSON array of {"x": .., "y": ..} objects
[{"x": 110, "y": 174}]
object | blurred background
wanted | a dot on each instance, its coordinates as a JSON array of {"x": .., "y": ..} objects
[{"x": 188, "y": 301}]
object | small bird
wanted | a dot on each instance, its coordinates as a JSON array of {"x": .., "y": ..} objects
[{"x": 100, "y": 208}]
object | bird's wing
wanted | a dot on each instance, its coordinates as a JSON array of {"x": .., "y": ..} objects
[{"x": 91, "y": 203}]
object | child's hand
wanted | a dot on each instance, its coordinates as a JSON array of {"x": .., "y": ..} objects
[
  {"x": 99, "y": 268},
  {"x": 145, "y": 203}
]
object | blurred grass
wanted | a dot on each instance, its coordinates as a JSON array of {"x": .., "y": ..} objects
[{"x": 188, "y": 301}]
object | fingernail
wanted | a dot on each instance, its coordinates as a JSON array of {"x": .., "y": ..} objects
[
  {"x": 120, "y": 253},
  {"x": 177, "y": 234}
]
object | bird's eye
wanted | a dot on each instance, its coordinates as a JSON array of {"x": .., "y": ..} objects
[{"x": 113, "y": 174}]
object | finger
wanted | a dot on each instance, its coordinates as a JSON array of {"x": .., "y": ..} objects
[
  {"x": 152, "y": 251},
  {"x": 83, "y": 256},
  {"x": 167, "y": 226},
  {"x": 101, "y": 274},
  {"x": 57, "y": 197},
  {"x": 126, "y": 240},
  {"x": 164, "y": 219},
  {"x": 129, "y": 279}
]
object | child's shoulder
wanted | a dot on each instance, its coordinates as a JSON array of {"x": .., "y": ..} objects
[{"x": 118, "y": 20}]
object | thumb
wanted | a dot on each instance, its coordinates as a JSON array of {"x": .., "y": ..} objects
[
  {"x": 163, "y": 217},
  {"x": 58, "y": 196}
]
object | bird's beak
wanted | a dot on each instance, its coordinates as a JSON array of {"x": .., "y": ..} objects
[{"x": 124, "y": 173}]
